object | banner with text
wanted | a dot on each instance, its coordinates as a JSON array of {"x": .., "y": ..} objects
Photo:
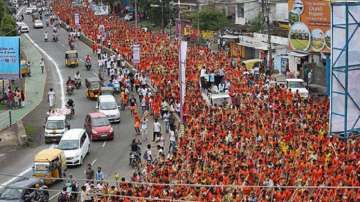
[
  {"x": 136, "y": 54},
  {"x": 182, "y": 74},
  {"x": 9, "y": 58},
  {"x": 309, "y": 25}
]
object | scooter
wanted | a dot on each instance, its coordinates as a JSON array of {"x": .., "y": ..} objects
[
  {"x": 88, "y": 65},
  {"x": 72, "y": 110},
  {"x": 69, "y": 89},
  {"x": 77, "y": 83},
  {"x": 134, "y": 159},
  {"x": 116, "y": 86}
]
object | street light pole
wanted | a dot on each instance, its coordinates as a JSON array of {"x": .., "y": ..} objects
[{"x": 162, "y": 15}]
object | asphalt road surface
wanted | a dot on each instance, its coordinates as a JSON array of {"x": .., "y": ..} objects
[{"x": 112, "y": 156}]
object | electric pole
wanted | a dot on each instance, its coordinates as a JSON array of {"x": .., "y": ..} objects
[{"x": 269, "y": 61}]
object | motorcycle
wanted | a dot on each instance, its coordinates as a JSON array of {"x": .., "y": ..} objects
[
  {"x": 134, "y": 159},
  {"x": 88, "y": 65},
  {"x": 72, "y": 111},
  {"x": 69, "y": 89},
  {"x": 41, "y": 195},
  {"x": 55, "y": 38},
  {"x": 77, "y": 83},
  {"x": 116, "y": 86}
]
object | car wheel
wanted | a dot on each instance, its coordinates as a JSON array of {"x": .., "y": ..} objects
[{"x": 81, "y": 161}]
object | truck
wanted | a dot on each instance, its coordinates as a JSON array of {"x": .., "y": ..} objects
[{"x": 56, "y": 125}]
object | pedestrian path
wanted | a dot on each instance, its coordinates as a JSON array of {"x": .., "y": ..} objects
[{"x": 34, "y": 86}]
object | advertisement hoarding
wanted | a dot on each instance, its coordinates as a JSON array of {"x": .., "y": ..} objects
[
  {"x": 9, "y": 58},
  {"x": 309, "y": 23}
]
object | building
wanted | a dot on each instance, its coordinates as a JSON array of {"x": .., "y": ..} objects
[{"x": 247, "y": 10}]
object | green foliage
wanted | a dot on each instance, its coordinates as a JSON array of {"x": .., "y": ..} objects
[
  {"x": 209, "y": 19},
  {"x": 257, "y": 24},
  {"x": 7, "y": 22}
]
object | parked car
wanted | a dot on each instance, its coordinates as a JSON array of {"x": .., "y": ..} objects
[
  {"x": 76, "y": 145},
  {"x": 38, "y": 24},
  {"x": 98, "y": 127},
  {"x": 129, "y": 17},
  {"x": 297, "y": 86}
]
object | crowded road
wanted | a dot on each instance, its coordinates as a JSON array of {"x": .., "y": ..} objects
[{"x": 112, "y": 156}]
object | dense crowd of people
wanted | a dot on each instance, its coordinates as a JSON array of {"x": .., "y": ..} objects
[{"x": 267, "y": 140}]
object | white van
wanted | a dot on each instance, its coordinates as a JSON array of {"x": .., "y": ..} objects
[
  {"x": 297, "y": 85},
  {"x": 76, "y": 145},
  {"x": 55, "y": 127},
  {"x": 107, "y": 105}
]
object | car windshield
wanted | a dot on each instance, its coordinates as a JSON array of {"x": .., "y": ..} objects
[
  {"x": 68, "y": 144},
  {"x": 95, "y": 85},
  {"x": 100, "y": 121},
  {"x": 11, "y": 194},
  {"x": 293, "y": 84},
  {"x": 108, "y": 105},
  {"x": 41, "y": 167},
  {"x": 55, "y": 125}
]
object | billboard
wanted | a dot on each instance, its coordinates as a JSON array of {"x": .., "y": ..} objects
[
  {"x": 9, "y": 58},
  {"x": 309, "y": 25}
]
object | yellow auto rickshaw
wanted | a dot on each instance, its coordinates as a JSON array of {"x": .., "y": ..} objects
[
  {"x": 71, "y": 58},
  {"x": 93, "y": 85},
  {"x": 250, "y": 64},
  {"x": 49, "y": 164},
  {"x": 25, "y": 68}
]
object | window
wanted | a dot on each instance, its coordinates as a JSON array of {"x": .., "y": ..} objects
[
  {"x": 82, "y": 140},
  {"x": 240, "y": 10}
]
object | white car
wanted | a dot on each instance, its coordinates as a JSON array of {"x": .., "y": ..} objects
[
  {"x": 29, "y": 10},
  {"x": 76, "y": 145},
  {"x": 297, "y": 85},
  {"x": 38, "y": 24},
  {"x": 22, "y": 27},
  {"x": 107, "y": 105},
  {"x": 129, "y": 17}
]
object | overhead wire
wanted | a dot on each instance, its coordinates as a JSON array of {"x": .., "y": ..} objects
[
  {"x": 100, "y": 194},
  {"x": 194, "y": 185}
]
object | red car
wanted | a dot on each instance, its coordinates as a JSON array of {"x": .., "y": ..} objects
[{"x": 98, "y": 126}]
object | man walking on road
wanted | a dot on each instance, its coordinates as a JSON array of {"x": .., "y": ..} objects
[
  {"x": 42, "y": 65},
  {"x": 51, "y": 98},
  {"x": 157, "y": 130}
]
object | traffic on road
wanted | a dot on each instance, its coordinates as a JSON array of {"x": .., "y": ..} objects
[{"x": 173, "y": 121}]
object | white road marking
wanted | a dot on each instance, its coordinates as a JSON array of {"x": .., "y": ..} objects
[
  {"x": 62, "y": 100},
  {"x": 56, "y": 67},
  {"x": 55, "y": 195},
  {"x": 15, "y": 178},
  {"x": 93, "y": 162},
  {"x": 20, "y": 10},
  {"x": 104, "y": 144}
]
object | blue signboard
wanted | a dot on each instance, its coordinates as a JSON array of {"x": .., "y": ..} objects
[{"x": 9, "y": 58}]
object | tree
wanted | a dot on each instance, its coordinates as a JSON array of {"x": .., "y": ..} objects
[
  {"x": 8, "y": 26},
  {"x": 7, "y": 21},
  {"x": 209, "y": 19}
]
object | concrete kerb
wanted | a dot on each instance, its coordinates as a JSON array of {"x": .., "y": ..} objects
[{"x": 18, "y": 128}]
